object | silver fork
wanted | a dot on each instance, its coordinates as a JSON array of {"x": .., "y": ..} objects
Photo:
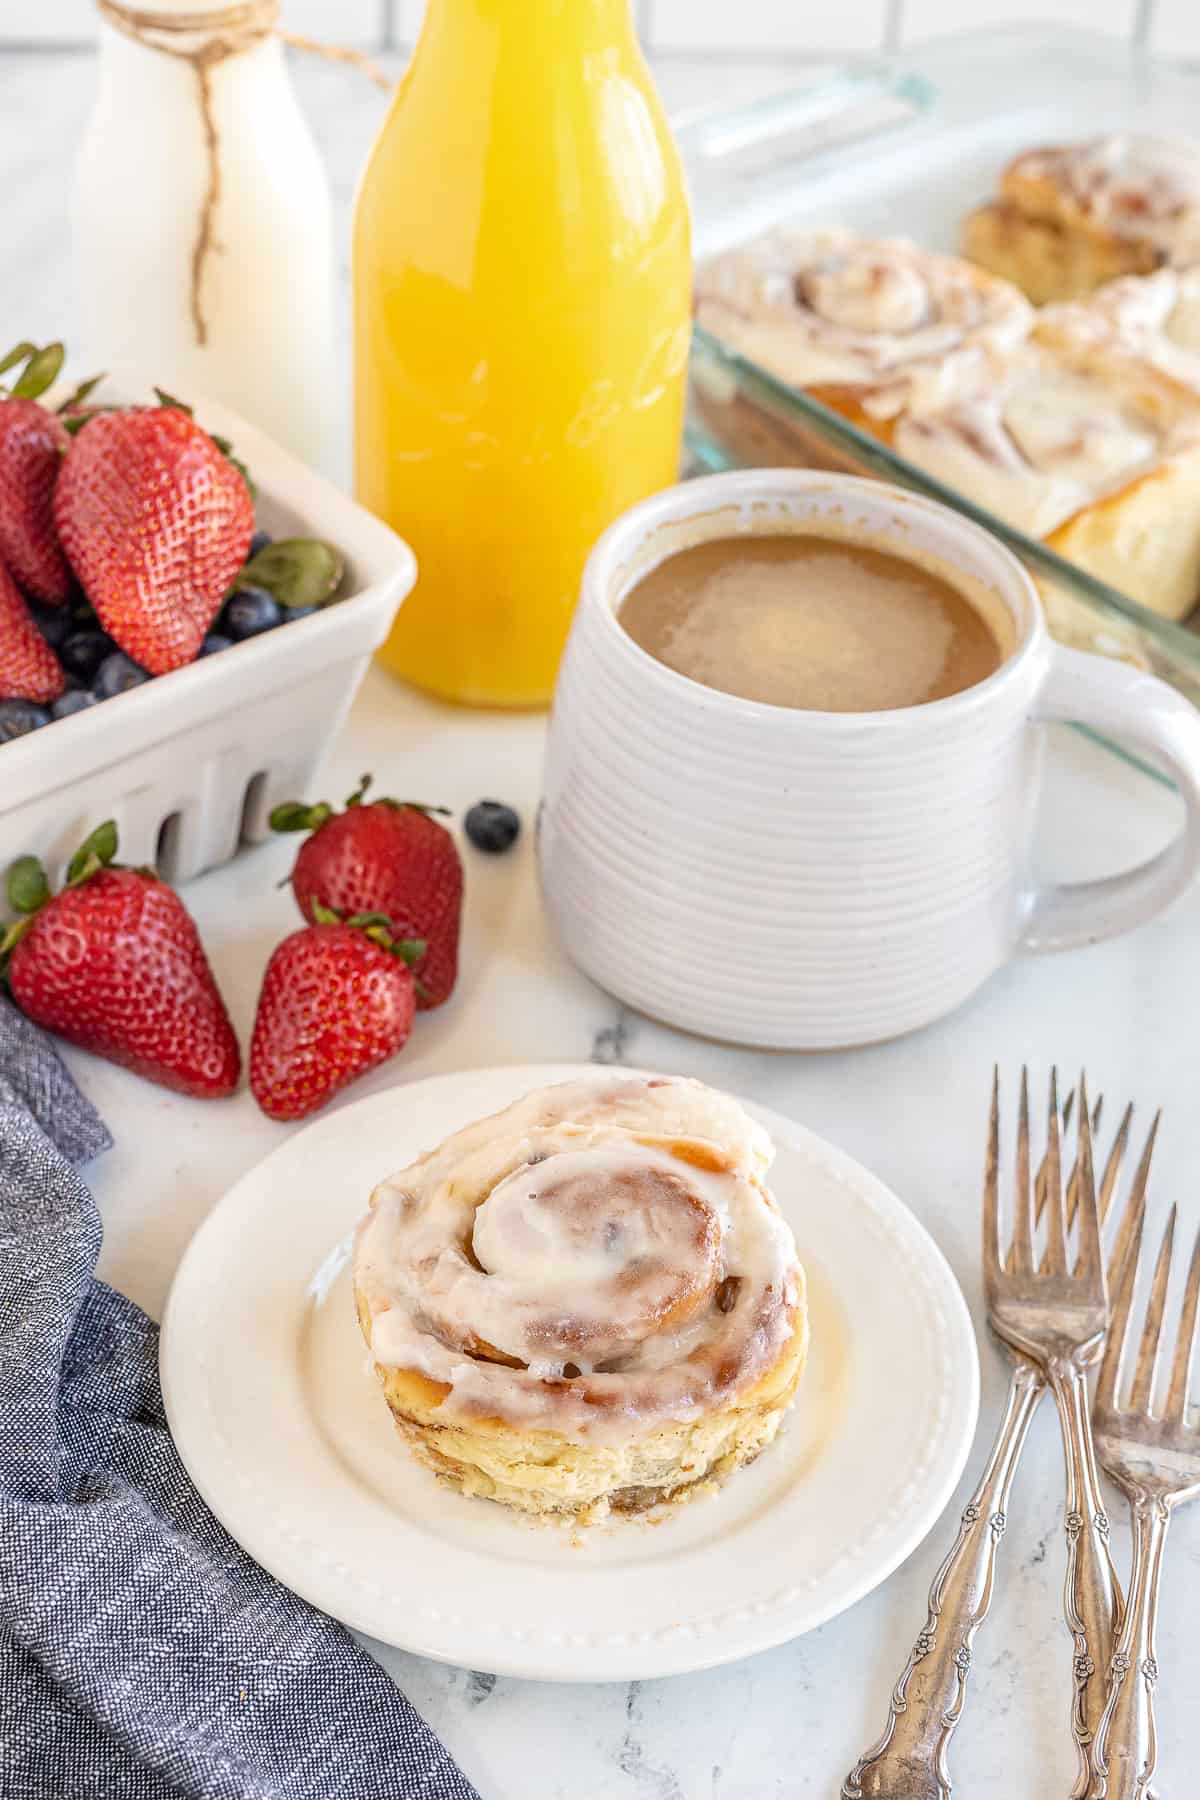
[
  {"x": 1057, "y": 1315},
  {"x": 910, "y": 1759},
  {"x": 1155, "y": 1459}
]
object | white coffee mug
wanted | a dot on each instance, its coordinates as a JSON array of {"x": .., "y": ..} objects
[{"x": 810, "y": 880}]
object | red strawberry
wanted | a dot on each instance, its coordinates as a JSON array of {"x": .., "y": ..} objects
[
  {"x": 384, "y": 857},
  {"x": 29, "y": 669},
  {"x": 32, "y": 446},
  {"x": 156, "y": 523},
  {"x": 336, "y": 1000},
  {"x": 115, "y": 965}
]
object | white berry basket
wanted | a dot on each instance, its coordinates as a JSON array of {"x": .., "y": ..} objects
[{"x": 190, "y": 764}]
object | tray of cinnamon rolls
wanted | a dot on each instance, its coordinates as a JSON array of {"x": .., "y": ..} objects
[{"x": 992, "y": 296}]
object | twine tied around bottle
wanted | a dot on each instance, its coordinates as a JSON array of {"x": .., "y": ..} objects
[{"x": 217, "y": 35}]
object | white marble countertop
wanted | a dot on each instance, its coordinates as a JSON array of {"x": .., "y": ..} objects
[{"x": 789, "y": 1722}]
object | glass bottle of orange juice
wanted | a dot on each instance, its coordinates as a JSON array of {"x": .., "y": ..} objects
[{"x": 522, "y": 284}]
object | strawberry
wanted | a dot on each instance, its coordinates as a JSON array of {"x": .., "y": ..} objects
[
  {"x": 115, "y": 965},
  {"x": 337, "y": 999},
  {"x": 33, "y": 444},
  {"x": 389, "y": 857},
  {"x": 29, "y": 669},
  {"x": 156, "y": 522}
]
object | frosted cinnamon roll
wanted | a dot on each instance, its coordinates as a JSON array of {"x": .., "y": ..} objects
[
  {"x": 869, "y": 326},
  {"x": 589, "y": 1302},
  {"x": 1073, "y": 216},
  {"x": 1156, "y": 317},
  {"x": 1089, "y": 447}
]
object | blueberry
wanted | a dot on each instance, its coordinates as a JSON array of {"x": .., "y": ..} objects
[
  {"x": 492, "y": 826},
  {"x": 260, "y": 541},
  {"x": 54, "y": 623},
  {"x": 77, "y": 700},
  {"x": 213, "y": 643},
  {"x": 82, "y": 653},
  {"x": 116, "y": 675},
  {"x": 297, "y": 612},
  {"x": 17, "y": 717},
  {"x": 250, "y": 611}
]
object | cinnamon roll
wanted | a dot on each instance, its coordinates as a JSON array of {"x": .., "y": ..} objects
[
  {"x": 869, "y": 326},
  {"x": 1088, "y": 446},
  {"x": 1155, "y": 316},
  {"x": 589, "y": 1303},
  {"x": 1073, "y": 216}
]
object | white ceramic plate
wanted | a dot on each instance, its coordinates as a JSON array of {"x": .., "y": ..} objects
[{"x": 284, "y": 1432}]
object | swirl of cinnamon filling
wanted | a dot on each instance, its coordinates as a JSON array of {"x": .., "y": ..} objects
[
  {"x": 1132, "y": 185},
  {"x": 1066, "y": 422},
  {"x": 599, "y": 1259},
  {"x": 1154, "y": 316},
  {"x": 831, "y": 308}
]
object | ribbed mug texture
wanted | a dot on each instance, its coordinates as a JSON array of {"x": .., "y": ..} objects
[{"x": 772, "y": 876}]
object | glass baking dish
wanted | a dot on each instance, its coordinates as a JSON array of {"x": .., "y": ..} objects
[{"x": 906, "y": 148}]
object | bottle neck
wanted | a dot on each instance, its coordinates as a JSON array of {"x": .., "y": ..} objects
[
  {"x": 592, "y": 23},
  {"x": 182, "y": 37}
]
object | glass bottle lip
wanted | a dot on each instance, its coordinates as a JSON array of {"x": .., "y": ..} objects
[
  {"x": 183, "y": 27},
  {"x": 243, "y": 12}
]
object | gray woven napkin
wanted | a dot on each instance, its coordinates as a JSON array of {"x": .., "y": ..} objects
[{"x": 143, "y": 1655}]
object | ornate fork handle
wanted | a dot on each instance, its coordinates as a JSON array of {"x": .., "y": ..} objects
[
  {"x": 1125, "y": 1751},
  {"x": 909, "y": 1761},
  {"x": 1094, "y": 1604}
]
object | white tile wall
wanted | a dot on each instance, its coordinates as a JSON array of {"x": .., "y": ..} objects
[
  {"x": 703, "y": 26},
  {"x": 767, "y": 24},
  {"x": 1175, "y": 29},
  {"x": 342, "y": 21},
  {"x": 923, "y": 19},
  {"x": 47, "y": 21}
]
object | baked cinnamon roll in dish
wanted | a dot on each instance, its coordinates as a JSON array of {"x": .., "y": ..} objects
[
  {"x": 1073, "y": 216},
  {"x": 589, "y": 1303},
  {"x": 869, "y": 326},
  {"x": 1088, "y": 446},
  {"x": 1154, "y": 316}
]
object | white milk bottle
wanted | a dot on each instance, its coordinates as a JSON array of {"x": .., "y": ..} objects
[{"x": 202, "y": 220}]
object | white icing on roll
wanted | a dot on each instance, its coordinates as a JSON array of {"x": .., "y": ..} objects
[
  {"x": 1059, "y": 427},
  {"x": 1154, "y": 316},
  {"x": 599, "y": 1259},
  {"x": 832, "y": 308},
  {"x": 1137, "y": 187}
]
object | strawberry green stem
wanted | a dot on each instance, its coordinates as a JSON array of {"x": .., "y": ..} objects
[
  {"x": 96, "y": 852},
  {"x": 28, "y": 888},
  {"x": 295, "y": 815},
  {"x": 40, "y": 371}
]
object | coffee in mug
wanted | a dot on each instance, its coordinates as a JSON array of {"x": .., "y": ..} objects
[{"x": 815, "y": 620}]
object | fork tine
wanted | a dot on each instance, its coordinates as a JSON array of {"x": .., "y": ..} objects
[
  {"x": 1039, "y": 1186},
  {"x": 1054, "y": 1262},
  {"x": 1135, "y": 1206},
  {"x": 1020, "y": 1257},
  {"x": 1073, "y": 1185},
  {"x": 1181, "y": 1369},
  {"x": 1073, "y": 1182},
  {"x": 1109, "y": 1381},
  {"x": 992, "y": 1265},
  {"x": 1113, "y": 1164},
  {"x": 1090, "y": 1259},
  {"x": 1147, "y": 1363}
]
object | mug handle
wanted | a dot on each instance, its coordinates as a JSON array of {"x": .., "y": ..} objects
[{"x": 1144, "y": 712}]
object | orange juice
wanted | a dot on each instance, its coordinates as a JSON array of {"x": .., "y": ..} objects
[{"x": 522, "y": 290}]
